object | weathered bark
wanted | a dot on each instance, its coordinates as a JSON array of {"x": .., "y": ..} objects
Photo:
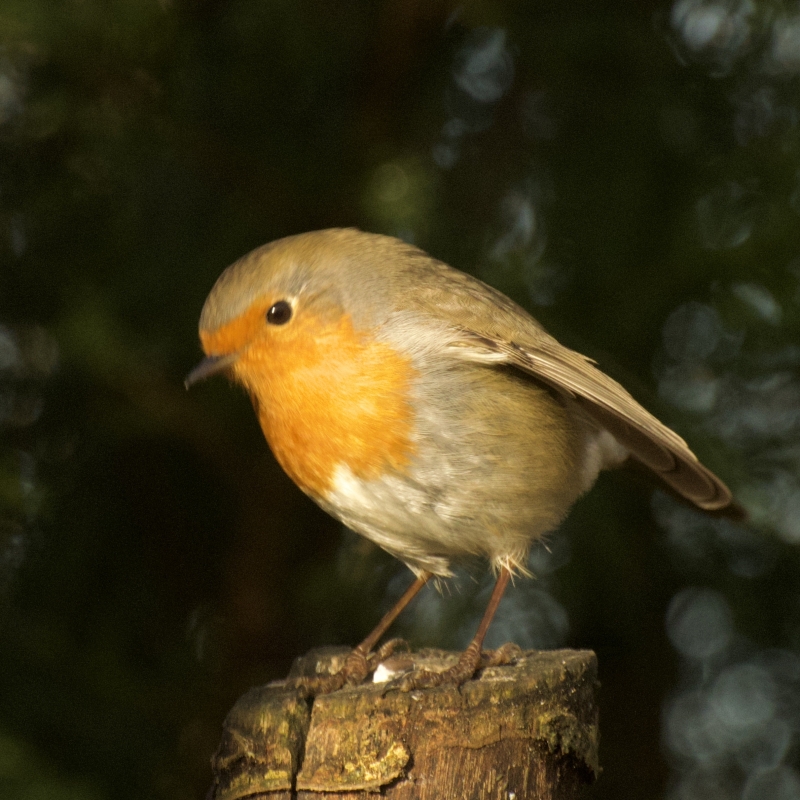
[{"x": 526, "y": 731}]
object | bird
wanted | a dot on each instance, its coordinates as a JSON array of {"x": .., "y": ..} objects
[{"x": 426, "y": 411}]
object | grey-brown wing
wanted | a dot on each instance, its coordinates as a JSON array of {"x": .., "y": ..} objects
[
  {"x": 606, "y": 401},
  {"x": 496, "y": 330}
]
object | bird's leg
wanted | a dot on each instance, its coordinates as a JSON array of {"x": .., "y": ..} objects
[
  {"x": 361, "y": 661},
  {"x": 470, "y": 661}
]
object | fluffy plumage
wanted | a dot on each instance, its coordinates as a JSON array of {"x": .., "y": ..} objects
[{"x": 439, "y": 417}]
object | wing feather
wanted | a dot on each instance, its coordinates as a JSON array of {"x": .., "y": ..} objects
[
  {"x": 649, "y": 441},
  {"x": 493, "y": 329}
]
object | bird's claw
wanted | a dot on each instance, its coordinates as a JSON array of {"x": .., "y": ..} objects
[
  {"x": 465, "y": 669},
  {"x": 313, "y": 685},
  {"x": 505, "y": 654},
  {"x": 356, "y": 667}
]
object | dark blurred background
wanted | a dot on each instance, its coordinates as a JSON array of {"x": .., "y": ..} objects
[{"x": 630, "y": 172}]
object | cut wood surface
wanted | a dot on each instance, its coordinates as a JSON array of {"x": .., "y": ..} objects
[{"x": 525, "y": 731}]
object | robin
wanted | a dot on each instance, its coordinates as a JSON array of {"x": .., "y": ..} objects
[{"x": 425, "y": 410}]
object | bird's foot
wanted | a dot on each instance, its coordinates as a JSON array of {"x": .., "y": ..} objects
[
  {"x": 505, "y": 654},
  {"x": 377, "y": 657},
  {"x": 468, "y": 664},
  {"x": 355, "y": 669}
]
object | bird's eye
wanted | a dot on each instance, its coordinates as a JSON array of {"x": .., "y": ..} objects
[{"x": 280, "y": 313}]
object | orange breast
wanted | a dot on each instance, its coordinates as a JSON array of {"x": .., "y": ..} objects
[{"x": 326, "y": 396}]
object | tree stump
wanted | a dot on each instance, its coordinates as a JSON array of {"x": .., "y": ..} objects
[{"x": 525, "y": 731}]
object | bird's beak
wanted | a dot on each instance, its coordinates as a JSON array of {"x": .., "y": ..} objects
[{"x": 211, "y": 365}]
